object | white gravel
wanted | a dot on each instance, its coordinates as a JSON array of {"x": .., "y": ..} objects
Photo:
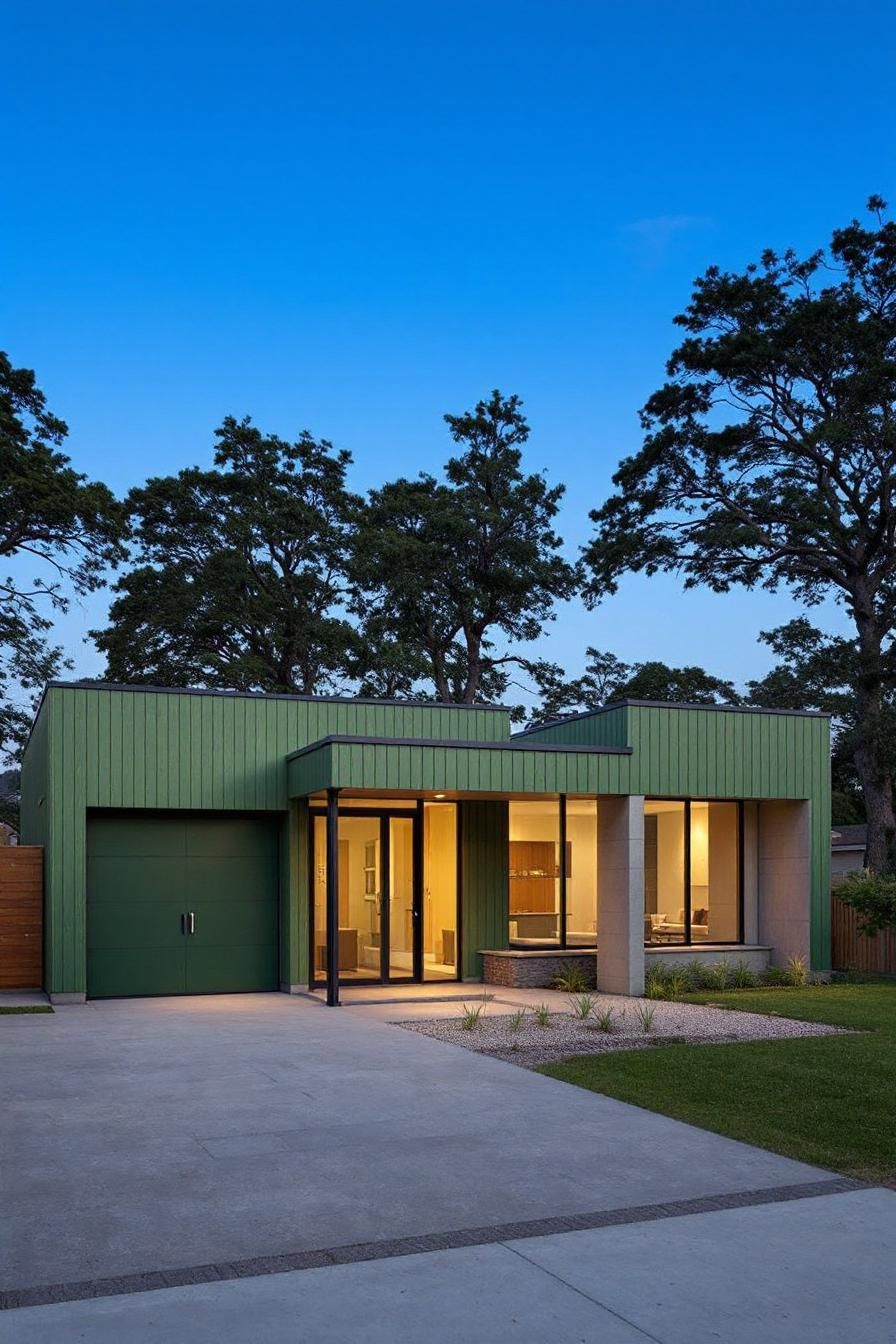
[{"x": 530, "y": 1044}]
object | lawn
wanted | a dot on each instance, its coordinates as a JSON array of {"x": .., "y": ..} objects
[
  {"x": 828, "y": 1100},
  {"x": 9, "y": 1008}
]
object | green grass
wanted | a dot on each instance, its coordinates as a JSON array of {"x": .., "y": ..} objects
[
  {"x": 8, "y": 1008},
  {"x": 829, "y": 1100}
]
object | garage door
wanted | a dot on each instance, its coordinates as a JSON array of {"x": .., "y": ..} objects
[{"x": 181, "y": 905}]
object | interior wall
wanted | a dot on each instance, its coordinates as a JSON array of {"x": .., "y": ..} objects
[
  {"x": 439, "y": 882},
  {"x": 670, "y": 863},
  {"x": 581, "y": 889}
]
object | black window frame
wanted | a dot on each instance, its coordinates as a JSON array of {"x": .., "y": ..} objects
[
  {"x": 688, "y": 940},
  {"x": 562, "y": 876},
  {"x": 316, "y": 982}
]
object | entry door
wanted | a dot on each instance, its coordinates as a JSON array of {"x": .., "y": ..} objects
[
  {"x": 403, "y": 913},
  {"x": 379, "y": 912}
]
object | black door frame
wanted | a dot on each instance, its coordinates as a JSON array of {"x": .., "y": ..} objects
[{"x": 385, "y": 815}]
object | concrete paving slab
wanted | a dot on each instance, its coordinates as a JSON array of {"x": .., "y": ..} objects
[
  {"x": 478, "y": 1294},
  {"x": 811, "y": 1272},
  {"x": 818, "y": 1270},
  {"x": 342, "y": 1129}
]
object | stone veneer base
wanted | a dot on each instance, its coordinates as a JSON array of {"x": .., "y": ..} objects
[{"x": 536, "y": 970}]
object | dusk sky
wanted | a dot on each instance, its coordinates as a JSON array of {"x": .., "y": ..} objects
[{"x": 351, "y": 218}]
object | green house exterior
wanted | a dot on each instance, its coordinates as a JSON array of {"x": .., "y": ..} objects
[{"x": 200, "y": 841}]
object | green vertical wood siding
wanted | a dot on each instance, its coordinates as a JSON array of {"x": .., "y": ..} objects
[
  {"x": 485, "y": 882},
  {"x": 464, "y": 768},
  {"x": 137, "y": 749},
  {"x": 300, "y": 969},
  {"x": 96, "y": 747}
]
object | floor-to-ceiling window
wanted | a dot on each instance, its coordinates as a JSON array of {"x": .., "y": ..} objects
[
  {"x": 692, "y": 872},
  {"x": 553, "y": 872},
  {"x": 440, "y": 941},
  {"x": 715, "y": 873}
]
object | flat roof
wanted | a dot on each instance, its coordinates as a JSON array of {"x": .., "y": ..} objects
[
  {"x": 549, "y": 748},
  {"x": 96, "y": 685},
  {"x": 667, "y": 704}
]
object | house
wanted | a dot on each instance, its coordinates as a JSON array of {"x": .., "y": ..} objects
[
  {"x": 847, "y": 850},
  {"x": 204, "y": 841}
]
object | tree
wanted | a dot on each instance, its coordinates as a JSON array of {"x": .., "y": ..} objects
[
  {"x": 768, "y": 460},
  {"x": 819, "y": 671},
  {"x": 55, "y": 522},
  {"x": 607, "y": 678},
  {"x": 241, "y": 570},
  {"x": 447, "y": 569}
]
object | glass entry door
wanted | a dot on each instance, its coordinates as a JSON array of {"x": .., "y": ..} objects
[
  {"x": 403, "y": 917},
  {"x": 378, "y": 914}
]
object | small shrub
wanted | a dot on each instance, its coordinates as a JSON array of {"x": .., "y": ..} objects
[
  {"x": 676, "y": 983},
  {"x": 542, "y": 1014},
  {"x": 699, "y": 975},
  {"x": 655, "y": 981},
  {"x": 716, "y": 976},
  {"x": 470, "y": 1016},
  {"x": 797, "y": 973},
  {"x": 775, "y": 977},
  {"x": 872, "y": 897},
  {"x": 572, "y": 979},
  {"x": 517, "y": 1019},
  {"x": 608, "y": 1019},
  {"x": 581, "y": 1006},
  {"x": 743, "y": 978},
  {"x": 646, "y": 1013}
]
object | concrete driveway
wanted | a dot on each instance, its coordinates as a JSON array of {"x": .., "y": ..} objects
[{"x": 167, "y": 1141}]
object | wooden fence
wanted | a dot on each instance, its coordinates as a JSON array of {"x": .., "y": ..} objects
[
  {"x": 851, "y": 950},
  {"x": 21, "y": 916}
]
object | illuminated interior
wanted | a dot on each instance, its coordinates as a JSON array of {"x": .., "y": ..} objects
[
  {"x": 377, "y": 892},
  {"x": 540, "y": 914},
  {"x": 691, "y": 872}
]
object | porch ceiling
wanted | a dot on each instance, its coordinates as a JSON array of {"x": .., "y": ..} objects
[{"x": 424, "y": 765}]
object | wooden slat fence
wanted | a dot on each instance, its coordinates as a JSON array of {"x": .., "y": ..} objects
[
  {"x": 851, "y": 950},
  {"x": 21, "y": 916}
]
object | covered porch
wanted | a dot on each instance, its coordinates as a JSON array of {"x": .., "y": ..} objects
[{"x": 437, "y": 862}]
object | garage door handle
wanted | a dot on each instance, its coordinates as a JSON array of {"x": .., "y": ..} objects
[{"x": 192, "y": 919}]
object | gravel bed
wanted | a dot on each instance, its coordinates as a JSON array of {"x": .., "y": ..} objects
[{"x": 530, "y": 1044}]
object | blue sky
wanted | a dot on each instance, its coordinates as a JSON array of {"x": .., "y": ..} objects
[{"x": 353, "y": 217}]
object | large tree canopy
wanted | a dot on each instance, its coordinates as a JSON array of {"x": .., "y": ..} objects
[
  {"x": 58, "y": 531},
  {"x": 769, "y": 455},
  {"x": 241, "y": 571},
  {"x": 819, "y": 671},
  {"x": 456, "y": 572},
  {"x": 607, "y": 678}
]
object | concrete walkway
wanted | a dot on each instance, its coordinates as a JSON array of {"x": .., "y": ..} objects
[
  {"x": 172, "y": 1140},
  {"x": 810, "y": 1272}
]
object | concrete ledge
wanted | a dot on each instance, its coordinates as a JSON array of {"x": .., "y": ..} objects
[
  {"x": 68, "y": 998},
  {"x": 526, "y": 969},
  {"x": 757, "y": 957}
]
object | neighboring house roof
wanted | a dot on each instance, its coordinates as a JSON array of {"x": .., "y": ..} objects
[{"x": 849, "y": 837}]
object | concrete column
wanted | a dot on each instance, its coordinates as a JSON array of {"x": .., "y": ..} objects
[
  {"x": 620, "y": 895},
  {"x": 784, "y": 879}
]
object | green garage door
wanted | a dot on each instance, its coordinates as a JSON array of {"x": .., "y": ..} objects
[{"x": 181, "y": 905}]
